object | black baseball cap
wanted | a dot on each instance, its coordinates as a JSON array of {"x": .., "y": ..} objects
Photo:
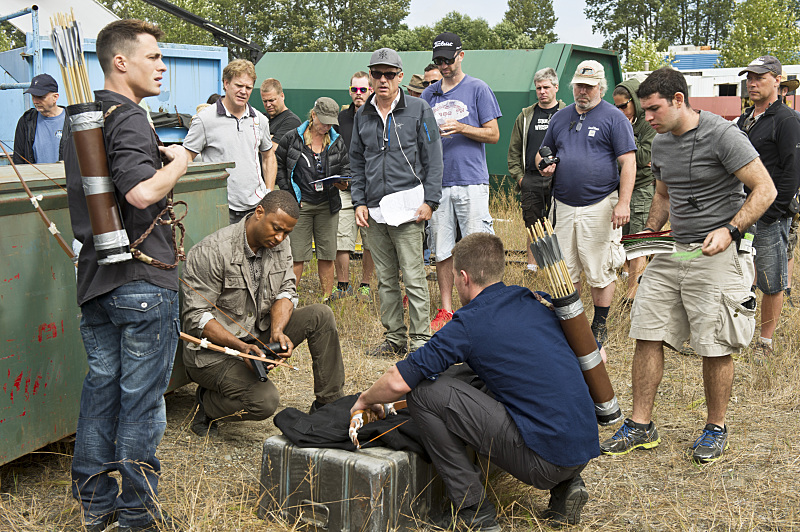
[
  {"x": 41, "y": 85},
  {"x": 446, "y": 45},
  {"x": 762, "y": 65}
]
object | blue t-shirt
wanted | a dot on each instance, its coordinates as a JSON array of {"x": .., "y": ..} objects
[
  {"x": 471, "y": 102},
  {"x": 48, "y": 137},
  {"x": 516, "y": 346},
  {"x": 588, "y": 169}
]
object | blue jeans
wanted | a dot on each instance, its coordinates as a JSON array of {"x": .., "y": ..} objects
[
  {"x": 772, "y": 267},
  {"x": 130, "y": 335}
]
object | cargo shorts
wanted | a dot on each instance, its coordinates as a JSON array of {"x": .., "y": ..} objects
[{"x": 707, "y": 299}]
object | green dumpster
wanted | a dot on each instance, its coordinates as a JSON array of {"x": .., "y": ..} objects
[
  {"x": 305, "y": 76},
  {"x": 42, "y": 360}
]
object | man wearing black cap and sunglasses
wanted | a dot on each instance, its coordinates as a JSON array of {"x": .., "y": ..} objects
[
  {"x": 39, "y": 131},
  {"x": 467, "y": 112},
  {"x": 396, "y": 159}
]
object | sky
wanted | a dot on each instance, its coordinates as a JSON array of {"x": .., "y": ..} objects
[{"x": 572, "y": 26}]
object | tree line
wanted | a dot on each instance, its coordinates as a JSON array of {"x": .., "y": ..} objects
[{"x": 640, "y": 30}]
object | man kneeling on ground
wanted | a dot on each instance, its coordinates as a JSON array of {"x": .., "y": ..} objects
[
  {"x": 241, "y": 282},
  {"x": 538, "y": 423}
]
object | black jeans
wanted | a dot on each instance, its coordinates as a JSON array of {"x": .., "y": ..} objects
[{"x": 451, "y": 414}]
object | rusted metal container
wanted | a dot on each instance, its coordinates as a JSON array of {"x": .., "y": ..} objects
[{"x": 42, "y": 359}]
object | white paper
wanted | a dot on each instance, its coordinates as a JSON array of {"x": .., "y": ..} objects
[{"x": 400, "y": 207}]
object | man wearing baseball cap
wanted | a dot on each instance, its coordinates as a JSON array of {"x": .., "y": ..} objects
[
  {"x": 591, "y": 192},
  {"x": 466, "y": 111},
  {"x": 395, "y": 159},
  {"x": 39, "y": 130},
  {"x": 774, "y": 131}
]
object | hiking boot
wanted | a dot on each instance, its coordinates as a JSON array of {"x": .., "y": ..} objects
[
  {"x": 481, "y": 516},
  {"x": 600, "y": 332},
  {"x": 629, "y": 437},
  {"x": 388, "y": 349},
  {"x": 107, "y": 522},
  {"x": 202, "y": 425},
  {"x": 363, "y": 292},
  {"x": 710, "y": 445},
  {"x": 762, "y": 353},
  {"x": 567, "y": 500},
  {"x": 442, "y": 317}
]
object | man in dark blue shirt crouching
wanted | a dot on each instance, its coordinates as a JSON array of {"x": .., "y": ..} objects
[{"x": 538, "y": 420}]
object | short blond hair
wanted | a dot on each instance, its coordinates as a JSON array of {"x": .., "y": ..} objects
[
  {"x": 239, "y": 67},
  {"x": 272, "y": 84}
]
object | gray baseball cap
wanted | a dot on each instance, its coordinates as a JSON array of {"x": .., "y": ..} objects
[
  {"x": 762, "y": 65},
  {"x": 327, "y": 111},
  {"x": 386, "y": 56}
]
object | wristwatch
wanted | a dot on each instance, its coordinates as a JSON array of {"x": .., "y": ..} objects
[
  {"x": 734, "y": 231},
  {"x": 432, "y": 204}
]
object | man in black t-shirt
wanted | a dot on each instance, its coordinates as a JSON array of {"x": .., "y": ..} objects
[
  {"x": 129, "y": 310},
  {"x": 281, "y": 118},
  {"x": 526, "y": 138}
]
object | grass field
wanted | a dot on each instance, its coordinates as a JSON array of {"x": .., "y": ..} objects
[{"x": 214, "y": 485}]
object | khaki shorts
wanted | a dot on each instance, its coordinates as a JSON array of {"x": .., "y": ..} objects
[
  {"x": 346, "y": 234},
  {"x": 641, "y": 198},
  {"x": 700, "y": 298},
  {"x": 588, "y": 241},
  {"x": 317, "y": 222}
]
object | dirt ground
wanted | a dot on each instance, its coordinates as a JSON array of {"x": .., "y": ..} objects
[{"x": 214, "y": 484}]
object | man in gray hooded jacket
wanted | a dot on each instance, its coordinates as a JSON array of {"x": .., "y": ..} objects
[{"x": 395, "y": 148}]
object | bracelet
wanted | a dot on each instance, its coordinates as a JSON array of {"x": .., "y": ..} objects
[{"x": 649, "y": 230}]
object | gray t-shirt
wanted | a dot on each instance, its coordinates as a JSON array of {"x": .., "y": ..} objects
[
  {"x": 48, "y": 137},
  {"x": 698, "y": 167},
  {"x": 220, "y": 137}
]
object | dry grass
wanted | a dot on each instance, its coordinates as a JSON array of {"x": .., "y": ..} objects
[{"x": 215, "y": 484}]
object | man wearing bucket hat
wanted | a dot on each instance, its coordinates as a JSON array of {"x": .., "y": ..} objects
[
  {"x": 396, "y": 159},
  {"x": 415, "y": 87},
  {"x": 37, "y": 138},
  {"x": 774, "y": 131},
  {"x": 591, "y": 193}
]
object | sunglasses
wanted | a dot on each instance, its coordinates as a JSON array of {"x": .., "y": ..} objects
[
  {"x": 623, "y": 105},
  {"x": 579, "y": 123},
  {"x": 362, "y": 90},
  {"x": 426, "y": 83},
  {"x": 377, "y": 74},
  {"x": 439, "y": 61}
]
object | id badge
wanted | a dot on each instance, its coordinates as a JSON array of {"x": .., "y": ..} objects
[{"x": 318, "y": 187}]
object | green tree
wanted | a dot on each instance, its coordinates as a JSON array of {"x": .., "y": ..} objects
[
  {"x": 536, "y": 20},
  {"x": 760, "y": 27},
  {"x": 644, "y": 54}
]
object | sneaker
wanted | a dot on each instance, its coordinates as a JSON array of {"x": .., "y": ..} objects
[
  {"x": 600, "y": 332},
  {"x": 442, "y": 317},
  {"x": 710, "y": 445},
  {"x": 628, "y": 437},
  {"x": 532, "y": 268},
  {"x": 762, "y": 353},
  {"x": 107, "y": 522},
  {"x": 363, "y": 292},
  {"x": 481, "y": 516},
  {"x": 388, "y": 349},
  {"x": 567, "y": 500},
  {"x": 338, "y": 293},
  {"x": 202, "y": 425}
]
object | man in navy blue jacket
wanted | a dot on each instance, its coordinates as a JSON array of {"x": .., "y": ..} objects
[{"x": 537, "y": 422}]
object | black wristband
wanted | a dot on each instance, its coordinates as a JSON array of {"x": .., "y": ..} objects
[{"x": 649, "y": 230}]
